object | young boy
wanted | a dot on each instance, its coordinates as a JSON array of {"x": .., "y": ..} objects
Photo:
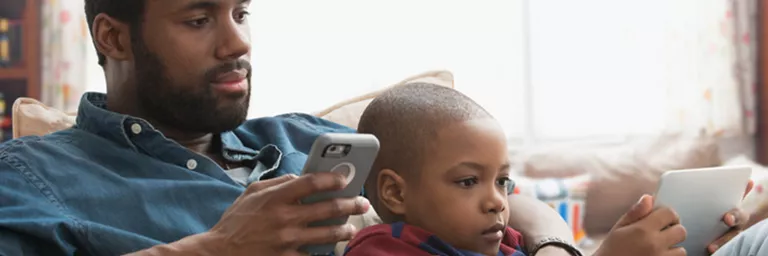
[{"x": 441, "y": 179}]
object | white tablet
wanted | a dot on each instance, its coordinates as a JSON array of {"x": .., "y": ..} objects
[{"x": 701, "y": 197}]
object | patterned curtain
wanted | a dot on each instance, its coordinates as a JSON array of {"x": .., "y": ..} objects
[
  {"x": 64, "y": 45},
  {"x": 713, "y": 83}
]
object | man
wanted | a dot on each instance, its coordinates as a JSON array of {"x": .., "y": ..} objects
[{"x": 164, "y": 164}]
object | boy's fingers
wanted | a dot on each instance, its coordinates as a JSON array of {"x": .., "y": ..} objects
[{"x": 642, "y": 208}]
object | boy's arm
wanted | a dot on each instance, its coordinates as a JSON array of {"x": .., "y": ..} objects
[{"x": 539, "y": 222}]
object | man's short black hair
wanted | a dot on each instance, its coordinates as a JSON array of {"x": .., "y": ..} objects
[
  {"x": 405, "y": 119},
  {"x": 128, "y": 11}
]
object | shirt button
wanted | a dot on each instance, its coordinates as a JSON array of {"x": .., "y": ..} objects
[
  {"x": 191, "y": 164},
  {"x": 136, "y": 128}
]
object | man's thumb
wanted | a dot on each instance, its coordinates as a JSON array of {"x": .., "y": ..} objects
[{"x": 642, "y": 208}]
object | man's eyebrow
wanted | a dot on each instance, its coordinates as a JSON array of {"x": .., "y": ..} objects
[{"x": 207, "y": 5}]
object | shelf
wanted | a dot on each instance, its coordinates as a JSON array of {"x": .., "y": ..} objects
[{"x": 13, "y": 73}]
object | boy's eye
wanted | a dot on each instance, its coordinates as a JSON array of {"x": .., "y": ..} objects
[
  {"x": 468, "y": 182},
  {"x": 507, "y": 184}
]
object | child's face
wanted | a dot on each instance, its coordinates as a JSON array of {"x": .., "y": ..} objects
[{"x": 461, "y": 194}]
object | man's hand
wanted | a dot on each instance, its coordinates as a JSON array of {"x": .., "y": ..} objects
[
  {"x": 645, "y": 231},
  {"x": 268, "y": 220},
  {"x": 737, "y": 219}
]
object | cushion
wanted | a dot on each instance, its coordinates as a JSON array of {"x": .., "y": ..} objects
[
  {"x": 33, "y": 118},
  {"x": 620, "y": 174},
  {"x": 348, "y": 112}
]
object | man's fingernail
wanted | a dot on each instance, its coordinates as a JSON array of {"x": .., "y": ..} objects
[
  {"x": 713, "y": 248},
  {"x": 731, "y": 219},
  {"x": 350, "y": 228},
  {"x": 363, "y": 201}
]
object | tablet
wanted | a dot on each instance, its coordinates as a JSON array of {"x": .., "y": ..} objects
[{"x": 701, "y": 197}]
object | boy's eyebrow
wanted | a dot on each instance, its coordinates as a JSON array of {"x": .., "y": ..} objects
[{"x": 480, "y": 167}]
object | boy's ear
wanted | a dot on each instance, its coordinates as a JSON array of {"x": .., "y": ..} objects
[{"x": 392, "y": 191}]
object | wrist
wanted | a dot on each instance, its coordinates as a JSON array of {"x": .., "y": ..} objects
[
  {"x": 552, "y": 251},
  {"x": 204, "y": 244},
  {"x": 554, "y": 246}
]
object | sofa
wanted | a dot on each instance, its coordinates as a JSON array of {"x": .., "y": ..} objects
[{"x": 591, "y": 184}]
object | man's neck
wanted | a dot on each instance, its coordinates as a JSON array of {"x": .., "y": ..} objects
[{"x": 201, "y": 143}]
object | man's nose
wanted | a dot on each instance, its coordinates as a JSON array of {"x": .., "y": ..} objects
[{"x": 234, "y": 41}]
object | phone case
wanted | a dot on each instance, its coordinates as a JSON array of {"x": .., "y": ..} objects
[{"x": 351, "y": 154}]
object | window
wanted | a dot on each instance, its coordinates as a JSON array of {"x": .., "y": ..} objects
[{"x": 546, "y": 69}]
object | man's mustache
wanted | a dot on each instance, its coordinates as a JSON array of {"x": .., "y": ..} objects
[{"x": 227, "y": 67}]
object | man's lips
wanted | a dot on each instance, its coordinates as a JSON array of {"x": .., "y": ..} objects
[
  {"x": 233, "y": 82},
  {"x": 231, "y": 77}
]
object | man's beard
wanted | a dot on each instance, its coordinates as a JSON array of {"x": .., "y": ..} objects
[{"x": 186, "y": 108}]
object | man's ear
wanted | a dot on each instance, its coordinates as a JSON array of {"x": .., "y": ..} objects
[
  {"x": 112, "y": 37},
  {"x": 392, "y": 191}
]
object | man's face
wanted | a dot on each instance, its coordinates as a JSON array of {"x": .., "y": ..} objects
[
  {"x": 461, "y": 192},
  {"x": 191, "y": 61}
]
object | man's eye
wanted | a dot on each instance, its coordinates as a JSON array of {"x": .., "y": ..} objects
[
  {"x": 199, "y": 22},
  {"x": 242, "y": 16},
  {"x": 466, "y": 183}
]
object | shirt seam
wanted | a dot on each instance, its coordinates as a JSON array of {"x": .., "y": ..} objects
[{"x": 38, "y": 183}]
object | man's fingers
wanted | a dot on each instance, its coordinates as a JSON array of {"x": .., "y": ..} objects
[
  {"x": 674, "y": 235},
  {"x": 309, "y": 184},
  {"x": 261, "y": 185},
  {"x": 332, "y": 209},
  {"x": 326, "y": 234},
  {"x": 722, "y": 240},
  {"x": 642, "y": 208},
  {"x": 679, "y": 251},
  {"x": 661, "y": 218}
]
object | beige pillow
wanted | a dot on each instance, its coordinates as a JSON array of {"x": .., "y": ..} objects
[
  {"x": 348, "y": 112},
  {"x": 620, "y": 174},
  {"x": 33, "y": 118}
]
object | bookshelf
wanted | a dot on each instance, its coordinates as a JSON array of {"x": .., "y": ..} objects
[
  {"x": 20, "y": 68},
  {"x": 28, "y": 69}
]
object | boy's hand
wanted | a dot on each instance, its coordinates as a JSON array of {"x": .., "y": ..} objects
[{"x": 643, "y": 231}]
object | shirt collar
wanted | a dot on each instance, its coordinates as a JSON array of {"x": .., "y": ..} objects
[{"x": 94, "y": 117}]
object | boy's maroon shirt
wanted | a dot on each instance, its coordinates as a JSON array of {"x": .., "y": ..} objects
[{"x": 402, "y": 239}]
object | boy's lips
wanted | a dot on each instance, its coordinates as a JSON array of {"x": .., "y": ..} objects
[{"x": 495, "y": 233}]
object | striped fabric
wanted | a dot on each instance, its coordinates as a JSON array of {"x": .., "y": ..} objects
[{"x": 403, "y": 239}]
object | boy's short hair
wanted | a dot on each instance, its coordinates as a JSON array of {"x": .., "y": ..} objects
[{"x": 405, "y": 119}]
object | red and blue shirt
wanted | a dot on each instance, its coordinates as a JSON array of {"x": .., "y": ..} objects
[{"x": 402, "y": 239}]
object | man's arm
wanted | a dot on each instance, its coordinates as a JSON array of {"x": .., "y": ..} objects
[
  {"x": 205, "y": 244},
  {"x": 537, "y": 221}
]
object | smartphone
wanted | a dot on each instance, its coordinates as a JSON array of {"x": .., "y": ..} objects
[{"x": 350, "y": 154}]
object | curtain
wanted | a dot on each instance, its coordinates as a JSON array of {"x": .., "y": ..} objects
[
  {"x": 618, "y": 67},
  {"x": 64, "y": 45},
  {"x": 715, "y": 85}
]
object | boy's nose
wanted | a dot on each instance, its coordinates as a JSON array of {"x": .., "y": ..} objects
[{"x": 495, "y": 203}]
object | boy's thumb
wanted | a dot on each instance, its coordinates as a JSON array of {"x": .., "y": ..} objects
[{"x": 642, "y": 208}]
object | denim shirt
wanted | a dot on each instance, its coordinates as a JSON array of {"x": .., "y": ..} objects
[{"x": 112, "y": 184}]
